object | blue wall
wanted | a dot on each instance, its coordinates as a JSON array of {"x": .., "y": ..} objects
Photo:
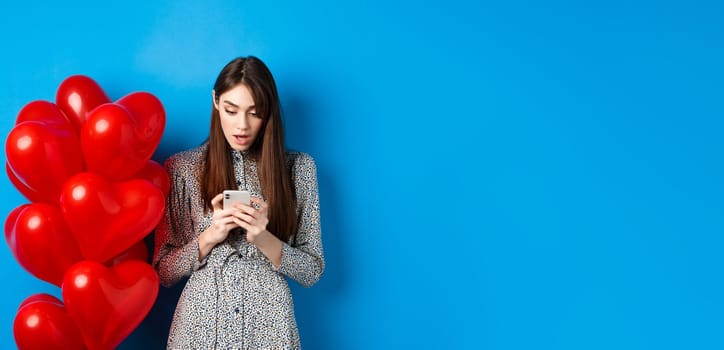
[{"x": 493, "y": 174}]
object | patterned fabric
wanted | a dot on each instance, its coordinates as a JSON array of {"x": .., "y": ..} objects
[{"x": 234, "y": 298}]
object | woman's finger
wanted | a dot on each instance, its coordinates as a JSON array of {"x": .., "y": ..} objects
[
  {"x": 216, "y": 202},
  {"x": 245, "y": 217},
  {"x": 247, "y": 209},
  {"x": 241, "y": 223},
  {"x": 260, "y": 202}
]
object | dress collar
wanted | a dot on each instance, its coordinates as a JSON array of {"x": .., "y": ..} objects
[{"x": 239, "y": 155}]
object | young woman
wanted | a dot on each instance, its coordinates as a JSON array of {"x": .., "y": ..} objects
[{"x": 237, "y": 258}]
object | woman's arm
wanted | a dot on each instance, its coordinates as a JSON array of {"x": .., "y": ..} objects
[
  {"x": 176, "y": 252},
  {"x": 270, "y": 246},
  {"x": 303, "y": 259}
]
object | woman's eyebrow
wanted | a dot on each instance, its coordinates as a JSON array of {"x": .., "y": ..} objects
[
  {"x": 231, "y": 103},
  {"x": 237, "y": 106}
]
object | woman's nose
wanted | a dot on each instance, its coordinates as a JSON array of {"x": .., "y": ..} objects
[{"x": 243, "y": 123}]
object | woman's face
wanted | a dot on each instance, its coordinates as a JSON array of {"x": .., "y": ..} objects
[{"x": 239, "y": 120}]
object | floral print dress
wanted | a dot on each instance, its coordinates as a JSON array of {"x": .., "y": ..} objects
[{"x": 235, "y": 298}]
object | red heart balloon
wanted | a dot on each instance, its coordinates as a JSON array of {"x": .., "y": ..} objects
[
  {"x": 29, "y": 193},
  {"x": 77, "y": 95},
  {"x": 10, "y": 229},
  {"x": 42, "y": 157},
  {"x": 43, "y": 323},
  {"x": 118, "y": 139},
  {"x": 40, "y": 297},
  {"x": 107, "y": 304},
  {"x": 108, "y": 218},
  {"x": 149, "y": 115},
  {"x": 41, "y": 241},
  {"x": 138, "y": 251},
  {"x": 46, "y": 112},
  {"x": 157, "y": 175}
]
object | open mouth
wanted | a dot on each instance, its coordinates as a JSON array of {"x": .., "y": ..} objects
[{"x": 242, "y": 139}]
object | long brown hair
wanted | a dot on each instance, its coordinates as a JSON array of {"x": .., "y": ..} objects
[{"x": 268, "y": 148}]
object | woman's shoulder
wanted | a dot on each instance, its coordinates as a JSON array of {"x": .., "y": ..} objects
[
  {"x": 298, "y": 159},
  {"x": 302, "y": 166},
  {"x": 187, "y": 159}
]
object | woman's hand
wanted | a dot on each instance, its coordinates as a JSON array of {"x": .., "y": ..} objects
[
  {"x": 253, "y": 220},
  {"x": 222, "y": 222}
]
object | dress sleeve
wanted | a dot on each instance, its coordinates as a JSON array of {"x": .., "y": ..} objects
[
  {"x": 176, "y": 242},
  {"x": 303, "y": 259}
]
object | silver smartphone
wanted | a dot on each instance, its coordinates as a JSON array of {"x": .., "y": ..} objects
[{"x": 233, "y": 196}]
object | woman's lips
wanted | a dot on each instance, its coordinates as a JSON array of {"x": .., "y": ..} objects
[{"x": 242, "y": 139}]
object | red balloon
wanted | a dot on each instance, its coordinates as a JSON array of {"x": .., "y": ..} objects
[
  {"x": 29, "y": 193},
  {"x": 108, "y": 218},
  {"x": 149, "y": 115},
  {"x": 157, "y": 175},
  {"x": 78, "y": 95},
  {"x": 40, "y": 297},
  {"x": 107, "y": 304},
  {"x": 41, "y": 241},
  {"x": 118, "y": 141},
  {"x": 43, "y": 323},
  {"x": 10, "y": 229},
  {"x": 46, "y": 112},
  {"x": 42, "y": 157},
  {"x": 138, "y": 251}
]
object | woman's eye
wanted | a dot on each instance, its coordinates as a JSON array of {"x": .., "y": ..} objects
[
  {"x": 253, "y": 114},
  {"x": 230, "y": 112}
]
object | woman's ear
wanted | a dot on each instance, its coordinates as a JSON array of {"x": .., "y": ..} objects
[{"x": 213, "y": 98}]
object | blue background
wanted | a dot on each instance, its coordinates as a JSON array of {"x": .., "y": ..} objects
[{"x": 493, "y": 174}]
